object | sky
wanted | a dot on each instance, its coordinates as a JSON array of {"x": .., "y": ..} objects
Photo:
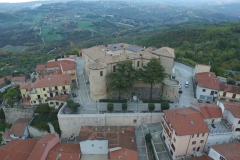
[{"x": 16, "y": 1}]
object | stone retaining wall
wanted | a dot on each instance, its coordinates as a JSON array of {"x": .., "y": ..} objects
[{"x": 13, "y": 114}]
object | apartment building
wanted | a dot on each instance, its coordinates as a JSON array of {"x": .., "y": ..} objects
[
  {"x": 53, "y": 90},
  {"x": 229, "y": 92}
]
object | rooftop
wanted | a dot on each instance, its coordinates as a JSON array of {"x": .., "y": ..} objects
[
  {"x": 68, "y": 65},
  {"x": 165, "y": 51},
  {"x": 233, "y": 107},
  {"x": 96, "y": 66},
  {"x": 20, "y": 79},
  {"x": 40, "y": 67},
  {"x": 229, "y": 88},
  {"x": 17, "y": 128},
  {"x": 117, "y": 136},
  {"x": 231, "y": 151},
  {"x": 125, "y": 154},
  {"x": 52, "y": 64},
  {"x": 208, "y": 80},
  {"x": 209, "y": 110},
  {"x": 186, "y": 121}
]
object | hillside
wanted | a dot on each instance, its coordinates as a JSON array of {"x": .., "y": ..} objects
[{"x": 7, "y": 17}]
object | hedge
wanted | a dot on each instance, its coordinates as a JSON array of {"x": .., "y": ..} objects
[{"x": 113, "y": 100}]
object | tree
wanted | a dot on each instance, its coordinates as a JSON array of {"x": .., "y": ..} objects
[
  {"x": 151, "y": 106},
  {"x": 10, "y": 102},
  {"x": 110, "y": 107},
  {"x": 11, "y": 93},
  {"x": 165, "y": 105},
  {"x": 122, "y": 80},
  {"x": 42, "y": 108},
  {"x": 2, "y": 115},
  {"x": 124, "y": 106},
  {"x": 152, "y": 73},
  {"x": 72, "y": 105},
  {"x": 148, "y": 137}
]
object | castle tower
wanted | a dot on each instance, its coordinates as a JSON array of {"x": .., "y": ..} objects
[{"x": 98, "y": 81}]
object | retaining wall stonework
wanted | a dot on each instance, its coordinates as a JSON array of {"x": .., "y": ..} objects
[
  {"x": 71, "y": 123},
  {"x": 13, "y": 114}
]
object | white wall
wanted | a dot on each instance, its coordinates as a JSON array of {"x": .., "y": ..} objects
[
  {"x": 213, "y": 154},
  {"x": 220, "y": 138},
  {"x": 199, "y": 92},
  {"x": 94, "y": 147},
  {"x": 209, "y": 121}
]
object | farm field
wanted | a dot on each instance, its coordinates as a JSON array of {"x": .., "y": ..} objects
[{"x": 14, "y": 49}]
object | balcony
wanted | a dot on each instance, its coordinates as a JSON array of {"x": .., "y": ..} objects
[
  {"x": 167, "y": 122},
  {"x": 53, "y": 90},
  {"x": 72, "y": 73},
  {"x": 220, "y": 128},
  {"x": 167, "y": 130},
  {"x": 33, "y": 92}
]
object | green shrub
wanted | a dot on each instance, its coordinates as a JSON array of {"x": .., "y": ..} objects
[
  {"x": 151, "y": 106},
  {"x": 42, "y": 108},
  {"x": 110, "y": 107},
  {"x": 148, "y": 137},
  {"x": 72, "y": 105},
  {"x": 113, "y": 100},
  {"x": 165, "y": 105},
  {"x": 124, "y": 106},
  {"x": 154, "y": 101},
  {"x": 2, "y": 115}
]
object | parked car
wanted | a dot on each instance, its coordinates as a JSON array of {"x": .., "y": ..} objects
[
  {"x": 200, "y": 101},
  {"x": 186, "y": 84},
  {"x": 180, "y": 86},
  {"x": 78, "y": 104},
  {"x": 74, "y": 95},
  {"x": 180, "y": 91}
]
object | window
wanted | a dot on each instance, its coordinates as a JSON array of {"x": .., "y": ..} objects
[
  {"x": 201, "y": 141},
  {"x": 234, "y": 96},
  {"x": 215, "y": 92},
  {"x": 34, "y": 101},
  {"x": 138, "y": 63},
  {"x": 197, "y": 135},
  {"x": 224, "y": 94},
  {"x": 237, "y": 129},
  {"x": 194, "y": 148},
  {"x": 221, "y": 158},
  {"x": 114, "y": 68},
  {"x": 212, "y": 93},
  {"x": 239, "y": 122},
  {"x": 46, "y": 100},
  {"x": 198, "y": 148},
  {"x": 203, "y": 134},
  {"x": 173, "y": 147},
  {"x": 45, "y": 95},
  {"x": 63, "y": 87},
  {"x": 134, "y": 121},
  {"x": 57, "y": 103},
  {"x": 44, "y": 89},
  {"x": 174, "y": 139},
  {"x": 92, "y": 145},
  {"x": 101, "y": 73},
  {"x": 194, "y": 142},
  {"x": 204, "y": 90},
  {"x": 192, "y": 135},
  {"x": 51, "y": 102},
  {"x": 56, "y": 88}
]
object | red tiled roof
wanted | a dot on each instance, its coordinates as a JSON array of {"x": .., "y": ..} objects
[
  {"x": 113, "y": 134},
  {"x": 186, "y": 121},
  {"x": 231, "y": 151},
  {"x": 67, "y": 150},
  {"x": 124, "y": 153},
  {"x": 229, "y": 88},
  {"x": 20, "y": 79},
  {"x": 2, "y": 80},
  {"x": 207, "y": 80},
  {"x": 209, "y": 110},
  {"x": 233, "y": 107},
  {"x": 9, "y": 77},
  {"x": 54, "y": 80},
  {"x": 52, "y": 64},
  {"x": 68, "y": 65},
  {"x": 18, "y": 128},
  {"x": 26, "y": 86},
  {"x": 40, "y": 67},
  {"x": 204, "y": 157}
]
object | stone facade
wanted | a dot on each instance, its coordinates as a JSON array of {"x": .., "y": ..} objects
[
  {"x": 170, "y": 91},
  {"x": 13, "y": 114}
]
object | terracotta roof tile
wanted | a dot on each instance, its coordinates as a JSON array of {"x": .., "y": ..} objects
[
  {"x": 9, "y": 77},
  {"x": 113, "y": 134},
  {"x": 40, "y": 67},
  {"x": 2, "y": 80},
  {"x": 68, "y": 65},
  {"x": 208, "y": 80},
  {"x": 231, "y": 151},
  {"x": 52, "y": 64},
  {"x": 124, "y": 153},
  {"x": 26, "y": 86},
  {"x": 19, "y": 79},
  {"x": 54, "y": 80},
  {"x": 186, "y": 121},
  {"x": 11, "y": 155},
  {"x": 229, "y": 88},
  {"x": 233, "y": 107},
  {"x": 209, "y": 110},
  {"x": 18, "y": 127}
]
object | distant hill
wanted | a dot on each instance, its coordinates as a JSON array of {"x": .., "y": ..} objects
[{"x": 7, "y": 17}]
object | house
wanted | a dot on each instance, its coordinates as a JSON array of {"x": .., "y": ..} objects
[
  {"x": 227, "y": 151},
  {"x": 229, "y": 92},
  {"x": 200, "y": 68},
  {"x": 99, "y": 61},
  {"x": 184, "y": 131},
  {"x": 53, "y": 90},
  {"x": 220, "y": 130},
  {"x": 46, "y": 148},
  {"x": 40, "y": 68},
  {"x": 17, "y": 149},
  {"x": 207, "y": 86},
  {"x": 18, "y": 81},
  {"x": 114, "y": 141},
  {"x": 19, "y": 130},
  {"x": 231, "y": 112},
  {"x": 2, "y": 80}
]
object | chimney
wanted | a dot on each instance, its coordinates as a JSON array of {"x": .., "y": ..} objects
[
  {"x": 122, "y": 130},
  {"x": 132, "y": 139},
  {"x": 49, "y": 78}
]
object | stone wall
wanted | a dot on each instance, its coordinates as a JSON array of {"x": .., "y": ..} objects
[
  {"x": 35, "y": 133},
  {"x": 13, "y": 114},
  {"x": 71, "y": 124}
]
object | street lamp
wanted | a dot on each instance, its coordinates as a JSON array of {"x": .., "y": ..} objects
[{"x": 137, "y": 104}]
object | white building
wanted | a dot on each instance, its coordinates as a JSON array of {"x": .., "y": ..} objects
[{"x": 207, "y": 86}]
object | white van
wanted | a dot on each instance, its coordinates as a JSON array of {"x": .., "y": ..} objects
[{"x": 186, "y": 84}]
